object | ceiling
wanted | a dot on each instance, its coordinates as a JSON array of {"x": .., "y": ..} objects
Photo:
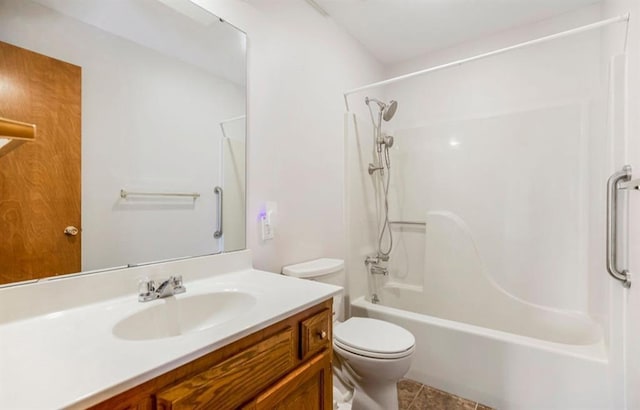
[{"x": 398, "y": 30}]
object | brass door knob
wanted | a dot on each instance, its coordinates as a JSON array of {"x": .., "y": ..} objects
[
  {"x": 322, "y": 334},
  {"x": 71, "y": 231}
]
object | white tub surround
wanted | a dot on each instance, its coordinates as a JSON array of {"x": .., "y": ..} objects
[
  {"x": 503, "y": 370},
  {"x": 58, "y": 347}
]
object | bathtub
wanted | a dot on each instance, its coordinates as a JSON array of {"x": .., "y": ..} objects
[{"x": 500, "y": 368}]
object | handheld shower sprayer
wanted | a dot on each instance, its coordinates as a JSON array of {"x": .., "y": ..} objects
[{"x": 386, "y": 111}]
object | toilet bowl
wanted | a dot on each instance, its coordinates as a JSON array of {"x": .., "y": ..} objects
[{"x": 371, "y": 355}]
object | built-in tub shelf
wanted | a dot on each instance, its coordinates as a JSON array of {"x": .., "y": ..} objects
[{"x": 407, "y": 223}]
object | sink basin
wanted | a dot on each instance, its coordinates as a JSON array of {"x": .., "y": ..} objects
[{"x": 175, "y": 316}]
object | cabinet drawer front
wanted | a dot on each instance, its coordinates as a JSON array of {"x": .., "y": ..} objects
[
  {"x": 315, "y": 333},
  {"x": 230, "y": 383}
]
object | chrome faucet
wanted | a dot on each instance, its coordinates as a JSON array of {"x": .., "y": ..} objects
[
  {"x": 147, "y": 289},
  {"x": 373, "y": 264},
  {"x": 378, "y": 270}
]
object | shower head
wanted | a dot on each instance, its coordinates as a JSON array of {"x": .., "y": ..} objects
[
  {"x": 387, "y": 110},
  {"x": 390, "y": 110}
]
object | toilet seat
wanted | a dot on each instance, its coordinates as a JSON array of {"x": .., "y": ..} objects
[{"x": 373, "y": 338}]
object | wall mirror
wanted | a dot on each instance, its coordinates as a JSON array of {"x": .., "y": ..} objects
[{"x": 139, "y": 107}]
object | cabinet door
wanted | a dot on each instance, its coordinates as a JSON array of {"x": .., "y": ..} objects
[
  {"x": 308, "y": 387},
  {"x": 230, "y": 383}
]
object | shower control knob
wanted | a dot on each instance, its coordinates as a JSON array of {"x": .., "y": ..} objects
[{"x": 322, "y": 334}]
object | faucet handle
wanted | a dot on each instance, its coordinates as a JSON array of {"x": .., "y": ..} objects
[
  {"x": 145, "y": 285},
  {"x": 146, "y": 289},
  {"x": 176, "y": 282},
  {"x": 372, "y": 260}
]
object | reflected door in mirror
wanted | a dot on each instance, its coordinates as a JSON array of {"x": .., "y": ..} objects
[{"x": 40, "y": 180}]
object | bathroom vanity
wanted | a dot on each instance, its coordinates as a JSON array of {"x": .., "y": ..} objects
[
  {"x": 286, "y": 365},
  {"x": 237, "y": 338}
]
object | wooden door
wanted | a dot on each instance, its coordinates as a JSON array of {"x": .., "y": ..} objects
[
  {"x": 309, "y": 387},
  {"x": 40, "y": 180}
]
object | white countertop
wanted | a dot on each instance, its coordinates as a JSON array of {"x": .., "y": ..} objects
[{"x": 71, "y": 358}]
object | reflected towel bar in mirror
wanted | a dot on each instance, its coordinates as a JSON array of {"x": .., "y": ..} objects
[
  {"x": 14, "y": 133},
  {"x": 124, "y": 194}
]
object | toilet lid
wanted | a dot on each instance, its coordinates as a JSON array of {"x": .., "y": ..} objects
[{"x": 373, "y": 338}]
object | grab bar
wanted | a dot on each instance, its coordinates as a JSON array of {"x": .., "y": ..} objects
[
  {"x": 616, "y": 182},
  {"x": 218, "y": 191}
]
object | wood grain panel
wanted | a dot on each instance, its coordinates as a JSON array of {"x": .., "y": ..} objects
[
  {"x": 40, "y": 180},
  {"x": 309, "y": 387},
  {"x": 229, "y": 384},
  {"x": 17, "y": 132},
  {"x": 315, "y": 333}
]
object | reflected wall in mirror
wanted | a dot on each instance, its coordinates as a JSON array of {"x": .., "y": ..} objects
[{"x": 146, "y": 96}]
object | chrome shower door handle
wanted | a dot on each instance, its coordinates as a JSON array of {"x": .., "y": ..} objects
[
  {"x": 218, "y": 191},
  {"x": 613, "y": 190}
]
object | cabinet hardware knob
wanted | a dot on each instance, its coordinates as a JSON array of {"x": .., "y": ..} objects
[{"x": 322, "y": 334}]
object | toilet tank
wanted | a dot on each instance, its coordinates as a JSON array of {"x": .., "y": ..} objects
[{"x": 325, "y": 270}]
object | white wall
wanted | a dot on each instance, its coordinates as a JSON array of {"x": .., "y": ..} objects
[
  {"x": 625, "y": 304},
  {"x": 299, "y": 65},
  {"x": 150, "y": 123},
  {"x": 519, "y": 177}
]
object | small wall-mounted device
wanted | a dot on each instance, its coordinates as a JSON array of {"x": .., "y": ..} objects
[
  {"x": 267, "y": 221},
  {"x": 266, "y": 226}
]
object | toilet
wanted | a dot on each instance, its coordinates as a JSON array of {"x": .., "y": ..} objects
[{"x": 370, "y": 355}]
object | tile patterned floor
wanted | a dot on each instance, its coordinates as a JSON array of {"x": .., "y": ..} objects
[{"x": 415, "y": 396}]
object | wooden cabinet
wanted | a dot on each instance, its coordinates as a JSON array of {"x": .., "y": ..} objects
[
  {"x": 284, "y": 366},
  {"x": 303, "y": 389}
]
